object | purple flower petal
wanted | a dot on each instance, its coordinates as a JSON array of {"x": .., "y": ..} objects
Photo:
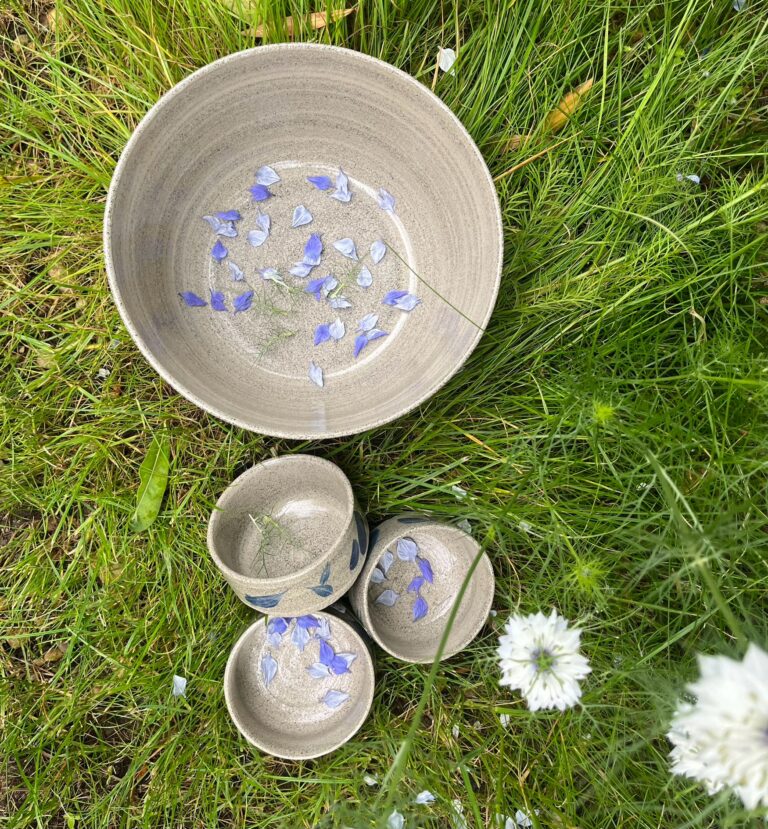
[
  {"x": 377, "y": 576},
  {"x": 313, "y": 250},
  {"x": 266, "y": 175},
  {"x": 365, "y": 278},
  {"x": 229, "y": 215},
  {"x": 375, "y": 334},
  {"x": 378, "y": 249},
  {"x": 307, "y": 621},
  {"x": 301, "y": 216},
  {"x": 339, "y": 666},
  {"x": 192, "y": 299},
  {"x": 323, "y": 629},
  {"x": 301, "y": 269},
  {"x": 221, "y": 228},
  {"x": 420, "y": 608},
  {"x": 337, "y": 329},
  {"x": 278, "y": 625},
  {"x": 339, "y": 302},
  {"x": 391, "y": 297},
  {"x": 368, "y": 322},
  {"x": 300, "y": 637},
  {"x": 272, "y": 275},
  {"x": 347, "y": 658},
  {"x": 217, "y": 301},
  {"x": 426, "y": 569},
  {"x": 346, "y": 247},
  {"x": 361, "y": 341},
  {"x": 219, "y": 251},
  {"x": 407, "y": 303},
  {"x": 243, "y": 301},
  {"x": 387, "y": 598},
  {"x": 318, "y": 671},
  {"x": 386, "y": 200},
  {"x": 416, "y": 585},
  {"x": 333, "y": 699},
  {"x": 268, "y": 668},
  {"x": 263, "y": 221},
  {"x": 256, "y": 238},
  {"x": 322, "y": 334},
  {"x": 314, "y": 286},
  {"x": 316, "y": 374},
  {"x": 326, "y": 653},
  {"x": 386, "y": 561},
  {"x": 235, "y": 272},
  {"x": 407, "y": 549},
  {"x": 321, "y": 182},
  {"x": 259, "y": 192}
]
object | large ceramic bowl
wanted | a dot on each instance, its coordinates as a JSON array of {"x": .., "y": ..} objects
[
  {"x": 242, "y": 348},
  {"x": 299, "y": 687},
  {"x": 288, "y": 536},
  {"x": 410, "y": 582}
]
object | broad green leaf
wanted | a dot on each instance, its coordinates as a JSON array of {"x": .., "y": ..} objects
[{"x": 153, "y": 479}]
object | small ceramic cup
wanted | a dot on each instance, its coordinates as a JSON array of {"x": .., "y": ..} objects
[
  {"x": 299, "y": 687},
  {"x": 415, "y": 568},
  {"x": 288, "y": 536}
]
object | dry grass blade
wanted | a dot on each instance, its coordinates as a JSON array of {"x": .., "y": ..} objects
[
  {"x": 317, "y": 20},
  {"x": 531, "y": 158},
  {"x": 53, "y": 654},
  {"x": 559, "y": 116}
]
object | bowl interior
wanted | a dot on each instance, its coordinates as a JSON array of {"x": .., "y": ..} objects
[
  {"x": 281, "y": 516},
  {"x": 414, "y": 584},
  {"x": 299, "y": 687},
  {"x": 305, "y": 110}
]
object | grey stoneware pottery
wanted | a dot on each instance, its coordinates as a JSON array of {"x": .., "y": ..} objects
[
  {"x": 404, "y": 595},
  {"x": 299, "y": 687},
  {"x": 347, "y": 148},
  {"x": 288, "y": 536}
]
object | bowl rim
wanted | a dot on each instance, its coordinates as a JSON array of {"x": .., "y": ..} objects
[
  {"x": 369, "y": 686},
  {"x": 294, "y": 434},
  {"x": 471, "y": 631},
  {"x": 257, "y": 469}
]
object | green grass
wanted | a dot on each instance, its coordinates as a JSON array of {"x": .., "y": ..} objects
[{"x": 610, "y": 430}]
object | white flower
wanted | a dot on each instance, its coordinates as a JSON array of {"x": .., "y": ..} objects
[
  {"x": 455, "y": 731},
  {"x": 395, "y": 821},
  {"x": 539, "y": 656},
  {"x": 505, "y": 720},
  {"x": 457, "y": 818},
  {"x": 446, "y": 58},
  {"x": 721, "y": 740},
  {"x": 179, "y": 686},
  {"x": 425, "y": 797},
  {"x": 370, "y": 780},
  {"x": 522, "y": 819}
]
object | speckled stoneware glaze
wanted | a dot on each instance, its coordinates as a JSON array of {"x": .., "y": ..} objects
[
  {"x": 304, "y": 110},
  {"x": 412, "y": 576},
  {"x": 299, "y": 687},
  {"x": 288, "y": 536}
]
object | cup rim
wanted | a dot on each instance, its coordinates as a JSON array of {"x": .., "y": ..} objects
[
  {"x": 471, "y": 631},
  {"x": 258, "y": 469},
  {"x": 369, "y": 688}
]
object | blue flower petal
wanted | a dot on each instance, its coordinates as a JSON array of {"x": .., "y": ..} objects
[
  {"x": 272, "y": 275},
  {"x": 229, "y": 215},
  {"x": 329, "y": 284},
  {"x": 342, "y": 181},
  {"x": 386, "y": 561},
  {"x": 337, "y": 329},
  {"x": 420, "y": 608},
  {"x": 347, "y": 658},
  {"x": 318, "y": 671},
  {"x": 386, "y": 200},
  {"x": 340, "y": 302},
  {"x": 313, "y": 250},
  {"x": 259, "y": 192},
  {"x": 346, "y": 247},
  {"x": 334, "y": 699},
  {"x": 321, "y": 182},
  {"x": 377, "y": 576},
  {"x": 407, "y": 549},
  {"x": 343, "y": 196},
  {"x": 268, "y": 668},
  {"x": 301, "y": 269},
  {"x": 322, "y": 333},
  {"x": 327, "y": 653},
  {"x": 192, "y": 299},
  {"x": 375, "y": 334},
  {"x": 426, "y": 569},
  {"x": 221, "y": 228},
  {"x": 365, "y": 278},
  {"x": 387, "y": 598},
  {"x": 316, "y": 374},
  {"x": 307, "y": 621},
  {"x": 256, "y": 238},
  {"x": 368, "y": 322},
  {"x": 339, "y": 666},
  {"x": 219, "y": 251},
  {"x": 300, "y": 637},
  {"x": 361, "y": 341},
  {"x": 416, "y": 585},
  {"x": 301, "y": 216},
  {"x": 407, "y": 303},
  {"x": 235, "y": 272},
  {"x": 278, "y": 625},
  {"x": 378, "y": 249},
  {"x": 266, "y": 175},
  {"x": 218, "y": 302},
  {"x": 391, "y": 297},
  {"x": 243, "y": 301},
  {"x": 263, "y": 221},
  {"x": 323, "y": 629}
]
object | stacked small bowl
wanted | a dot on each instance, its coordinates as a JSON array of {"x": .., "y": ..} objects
[{"x": 290, "y": 538}]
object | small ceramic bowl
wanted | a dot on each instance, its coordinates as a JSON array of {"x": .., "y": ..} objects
[
  {"x": 299, "y": 687},
  {"x": 408, "y": 586},
  {"x": 288, "y": 536}
]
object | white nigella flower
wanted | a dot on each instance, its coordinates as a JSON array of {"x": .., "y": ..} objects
[
  {"x": 721, "y": 740},
  {"x": 539, "y": 656}
]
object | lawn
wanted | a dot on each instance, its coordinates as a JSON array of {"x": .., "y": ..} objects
[{"x": 606, "y": 441}]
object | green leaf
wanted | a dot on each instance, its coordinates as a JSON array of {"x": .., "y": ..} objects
[{"x": 153, "y": 479}]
